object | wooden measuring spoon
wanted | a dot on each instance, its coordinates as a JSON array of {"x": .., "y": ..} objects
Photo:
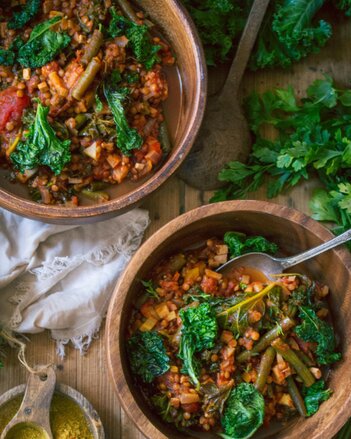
[
  {"x": 35, "y": 408},
  {"x": 224, "y": 135}
]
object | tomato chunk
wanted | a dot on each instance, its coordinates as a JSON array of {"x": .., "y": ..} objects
[{"x": 12, "y": 106}]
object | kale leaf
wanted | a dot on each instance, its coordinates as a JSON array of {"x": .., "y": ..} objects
[
  {"x": 139, "y": 39},
  {"x": 127, "y": 137},
  {"x": 199, "y": 331},
  {"x": 239, "y": 244},
  {"x": 43, "y": 44},
  {"x": 313, "y": 136},
  {"x": 243, "y": 413},
  {"x": 313, "y": 329},
  {"x": 8, "y": 57},
  {"x": 219, "y": 23},
  {"x": 27, "y": 12},
  {"x": 42, "y": 146},
  {"x": 147, "y": 355},
  {"x": 314, "y": 396}
]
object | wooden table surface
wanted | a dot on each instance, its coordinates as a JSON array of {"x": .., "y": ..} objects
[{"x": 88, "y": 373}]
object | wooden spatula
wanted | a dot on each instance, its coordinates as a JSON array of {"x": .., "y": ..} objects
[{"x": 224, "y": 135}]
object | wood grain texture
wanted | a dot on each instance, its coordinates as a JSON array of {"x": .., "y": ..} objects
[
  {"x": 224, "y": 135},
  {"x": 88, "y": 373}
]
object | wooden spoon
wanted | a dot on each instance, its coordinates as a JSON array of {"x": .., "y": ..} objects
[
  {"x": 35, "y": 408},
  {"x": 224, "y": 134}
]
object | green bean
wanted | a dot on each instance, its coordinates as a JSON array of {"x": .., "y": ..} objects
[
  {"x": 98, "y": 185},
  {"x": 80, "y": 119},
  {"x": 128, "y": 10},
  {"x": 305, "y": 358},
  {"x": 267, "y": 339},
  {"x": 265, "y": 368},
  {"x": 87, "y": 78},
  {"x": 289, "y": 355},
  {"x": 98, "y": 196},
  {"x": 93, "y": 46},
  {"x": 164, "y": 138},
  {"x": 296, "y": 396}
]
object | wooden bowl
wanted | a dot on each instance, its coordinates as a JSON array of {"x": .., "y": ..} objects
[
  {"x": 184, "y": 111},
  {"x": 293, "y": 232},
  {"x": 94, "y": 421}
]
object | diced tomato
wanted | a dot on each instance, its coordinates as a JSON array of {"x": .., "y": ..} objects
[
  {"x": 12, "y": 106},
  {"x": 154, "y": 151}
]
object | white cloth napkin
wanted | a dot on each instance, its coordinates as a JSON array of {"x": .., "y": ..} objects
[{"x": 61, "y": 278}]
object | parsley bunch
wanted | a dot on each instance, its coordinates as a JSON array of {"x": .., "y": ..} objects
[{"x": 313, "y": 137}]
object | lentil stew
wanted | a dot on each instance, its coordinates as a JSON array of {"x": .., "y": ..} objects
[
  {"x": 230, "y": 354},
  {"x": 82, "y": 86}
]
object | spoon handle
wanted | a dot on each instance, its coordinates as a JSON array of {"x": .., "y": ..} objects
[
  {"x": 245, "y": 46},
  {"x": 294, "y": 260}
]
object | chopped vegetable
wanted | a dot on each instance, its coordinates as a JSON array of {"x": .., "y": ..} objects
[
  {"x": 127, "y": 138},
  {"x": 296, "y": 396},
  {"x": 313, "y": 329},
  {"x": 147, "y": 355},
  {"x": 240, "y": 244},
  {"x": 42, "y": 146},
  {"x": 315, "y": 395},
  {"x": 243, "y": 413},
  {"x": 87, "y": 78},
  {"x": 139, "y": 39},
  {"x": 199, "y": 331},
  {"x": 22, "y": 17},
  {"x": 43, "y": 44},
  {"x": 265, "y": 368}
]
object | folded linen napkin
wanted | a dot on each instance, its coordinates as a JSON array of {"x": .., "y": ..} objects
[{"x": 61, "y": 278}]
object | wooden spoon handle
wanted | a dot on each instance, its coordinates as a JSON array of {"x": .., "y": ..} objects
[
  {"x": 35, "y": 407},
  {"x": 244, "y": 49}
]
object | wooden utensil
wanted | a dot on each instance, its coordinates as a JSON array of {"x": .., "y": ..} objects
[
  {"x": 224, "y": 135},
  {"x": 35, "y": 407}
]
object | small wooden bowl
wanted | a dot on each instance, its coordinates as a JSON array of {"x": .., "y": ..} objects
[
  {"x": 91, "y": 415},
  {"x": 184, "y": 111},
  {"x": 293, "y": 232}
]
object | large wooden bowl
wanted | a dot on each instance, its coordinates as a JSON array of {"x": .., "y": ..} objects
[
  {"x": 293, "y": 232},
  {"x": 184, "y": 112}
]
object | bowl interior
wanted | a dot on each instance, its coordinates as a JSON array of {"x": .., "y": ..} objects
[
  {"x": 183, "y": 111},
  {"x": 293, "y": 232}
]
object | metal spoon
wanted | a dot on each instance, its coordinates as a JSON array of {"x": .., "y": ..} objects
[
  {"x": 224, "y": 134},
  {"x": 269, "y": 265},
  {"x": 34, "y": 412}
]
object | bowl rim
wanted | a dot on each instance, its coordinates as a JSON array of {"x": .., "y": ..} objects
[
  {"x": 31, "y": 209},
  {"x": 113, "y": 322}
]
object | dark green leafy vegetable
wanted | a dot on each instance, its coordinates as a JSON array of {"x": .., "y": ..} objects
[
  {"x": 42, "y": 146},
  {"x": 147, "y": 355},
  {"x": 162, "y": 405},
  {"x": 8, "y": 57},
  {"x": 43, "y": 44},
  {"x": 314, "y": 396},
  {"x": 240, "y": 244},
  {"x": 150, "y": 288},
  {"x": 243, "y": 413},
  {"x": 214, "y": 398},
  {"x": 199, "y": 331},
  {"x": 139, "y": 39},
  {"x": 290, "y": 32},
  {"x": 22, "y": 17},
  {"x": 127, "y": 138},
  {"x": 313, "y": 137},
  {"x": 313, "y": 329}
]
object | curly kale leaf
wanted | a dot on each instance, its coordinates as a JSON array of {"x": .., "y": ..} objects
[
  {"x": 239, "y": 244},
  {"x": 42, "y": 146},
  {"x": 8, "y": 57},
  {"x": 289, "y": 33},
  {"x": 243, "y": 413},
  {"x": 313, "y": 329},
  {"x": 127, "y": 137},
  {"x": 22, "y": 17},
  {"x": 43, "y": 44},
  {"x": 219, "y": 23},
  {"x": 139, "y": 39},
  {"x": 314, "y": 396},
  {"x": 147, "y": 355},
  {"x": 199, "y": 331}
]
